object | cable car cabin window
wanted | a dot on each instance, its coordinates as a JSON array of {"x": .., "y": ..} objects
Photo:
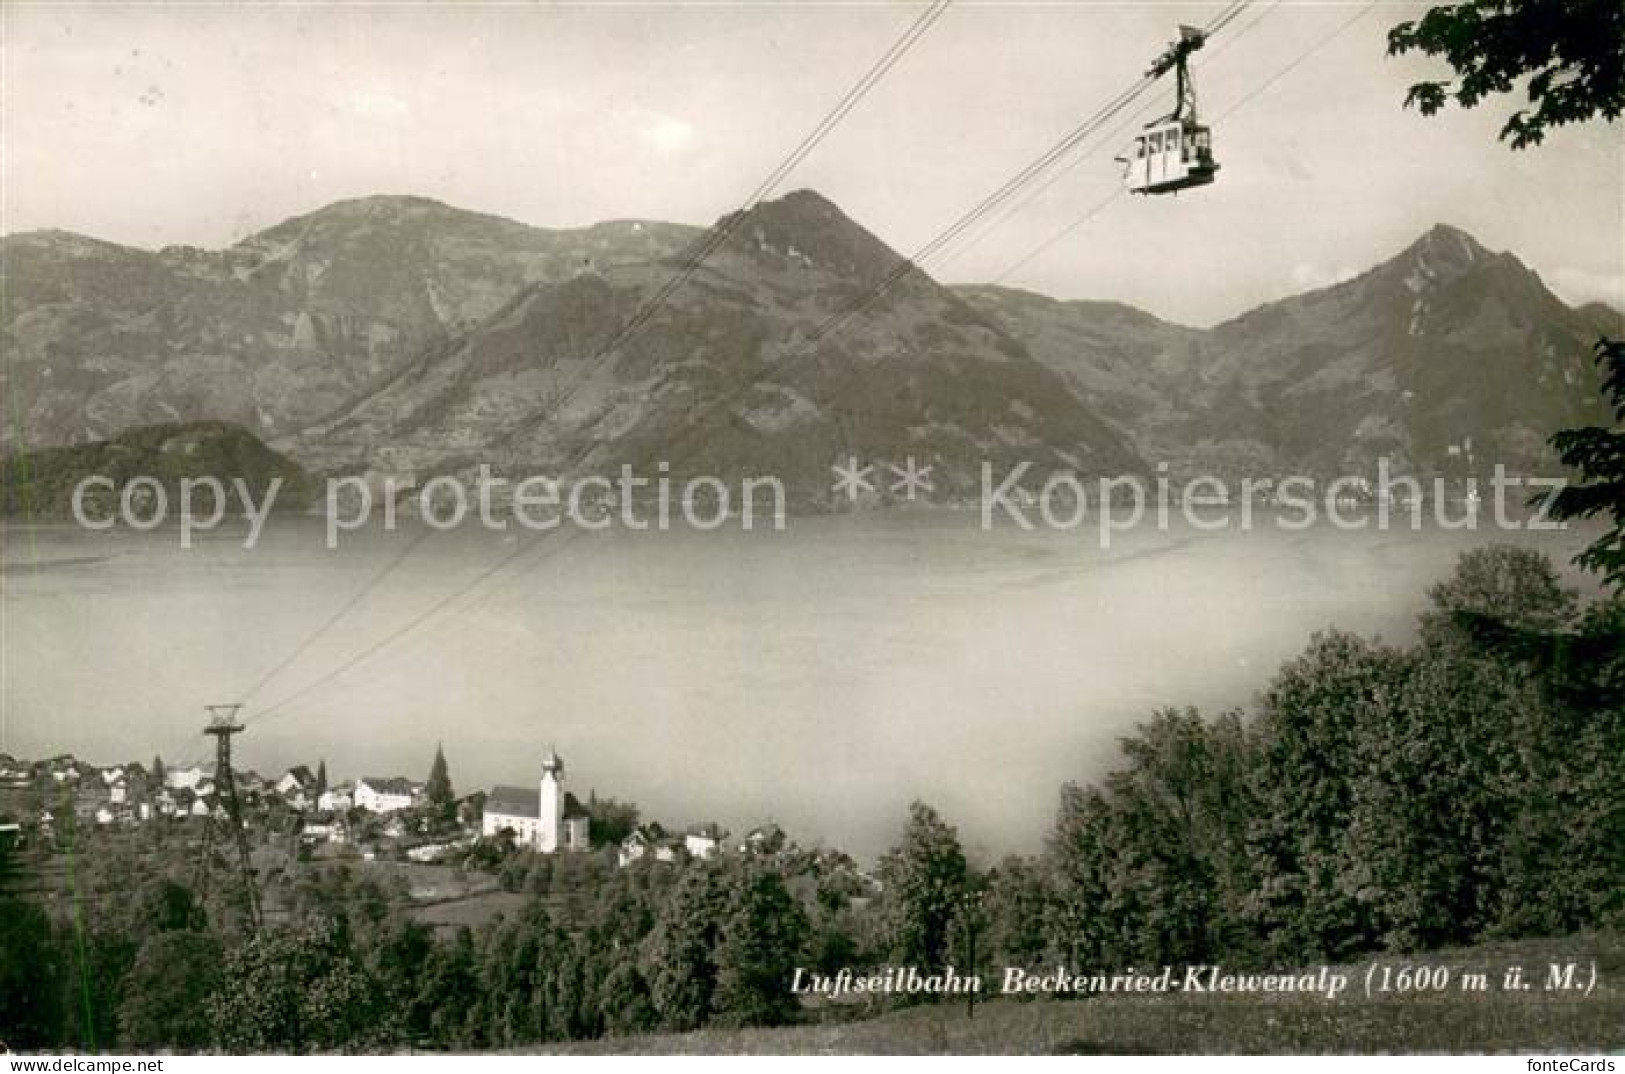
[{"x": 1156, "y": 142}]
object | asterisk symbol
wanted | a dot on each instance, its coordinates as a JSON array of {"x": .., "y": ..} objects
[
  {"x": 911, "y": 478},
  {"x": 852, "y": 478}
]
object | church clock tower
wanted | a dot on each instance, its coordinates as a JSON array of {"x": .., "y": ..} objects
[{"x": 550, "y": 805}]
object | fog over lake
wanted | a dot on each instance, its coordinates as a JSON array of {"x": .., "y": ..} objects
[{"x": 820, "y": 677}]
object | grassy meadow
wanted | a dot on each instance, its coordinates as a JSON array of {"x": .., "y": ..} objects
[{"x": 1496, "y": 1021}]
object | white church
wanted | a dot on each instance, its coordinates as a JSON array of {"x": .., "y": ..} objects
[{"x": 546, "y": 817}]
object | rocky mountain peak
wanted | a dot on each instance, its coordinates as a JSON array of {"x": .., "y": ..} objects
[
  {"x": 1443, "y": 254},
  {"x": 807, "y": 229}
]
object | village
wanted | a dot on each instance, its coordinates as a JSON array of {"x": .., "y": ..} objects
[{"x": 368, "y": 818}]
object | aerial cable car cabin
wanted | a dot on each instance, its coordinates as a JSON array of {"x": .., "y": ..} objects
[{"x": 1175, "y": 152}]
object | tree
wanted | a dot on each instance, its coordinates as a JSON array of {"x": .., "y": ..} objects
[
  {"x": 438, "y": 790},
  {"x": 1016, "y": 904},
  {"x": 1152, "y": 867},
  {"x": 321, "y": 777},
  {"x": 624, "y": 1001},
  {"x": 679, "y": 958},
  {"x": 1434, "y": 788},
  {"x": 1567, "y": 839},
  {"x": 1568, "y": 53},
  {"x": 924, "y": 879},
  {"x": 398, "y": 953},
  {"x": 32, "y": 966},
  {"x": 1183, "y": 802},
  {"x": 1516, "y": 587},
  {"x": 763, "y": 940},
  {"x": 99, "y": 953},
  {"x": 296, "y": 989},
  {"x": 1314, "y": 719},
  {"x": 1599, "y": 456},
  {"x": 1080, "y": 853},
  {"x": 530, "y": 978},
  {"x": 610, "y": 820},
  {"x": 162, "y": 905},
  {"x": 167, "y": 993},
  {"x": 449, "y": 988},
  {"x": 9, "y": 870}
]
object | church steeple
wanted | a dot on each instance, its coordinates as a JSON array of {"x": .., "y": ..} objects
[{"x": 550, "y": 804}]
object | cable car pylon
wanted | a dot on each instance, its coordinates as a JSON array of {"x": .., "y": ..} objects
[
  {"x": 1175, "y": 152},
  {"x": 223, "y": 724}
]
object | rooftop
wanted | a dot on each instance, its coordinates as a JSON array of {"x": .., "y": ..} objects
[
  {"x": 526, "y": 802},
  {"x": 389, "y": 784}
]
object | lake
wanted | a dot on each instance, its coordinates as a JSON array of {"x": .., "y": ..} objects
[{"x": 820, "y": 677}]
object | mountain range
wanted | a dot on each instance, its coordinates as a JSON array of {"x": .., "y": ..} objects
[
  {"x": 1444, "y": 358},
  {"x": 275, "y": 331},
  {"x": 397, "y": 335}
]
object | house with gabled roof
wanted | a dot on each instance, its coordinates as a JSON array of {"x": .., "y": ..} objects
[
  {"x": 385, "y": 794},
  {"x": 337, "y": 799},
  {"x": 766, "y": 839},
  {"x": 646, "y": 841},
  {"x": 187, "y": 778},
  {"x": 704, "y": 840},
  {"x": 297, "y": 786}
]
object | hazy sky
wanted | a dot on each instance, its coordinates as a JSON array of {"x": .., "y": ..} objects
[{"x": 189, "y": 123}]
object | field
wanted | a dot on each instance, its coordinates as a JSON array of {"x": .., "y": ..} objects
[
  {"x": 1495, "y": 1021},
  {"x": 448, "y": 915}
]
